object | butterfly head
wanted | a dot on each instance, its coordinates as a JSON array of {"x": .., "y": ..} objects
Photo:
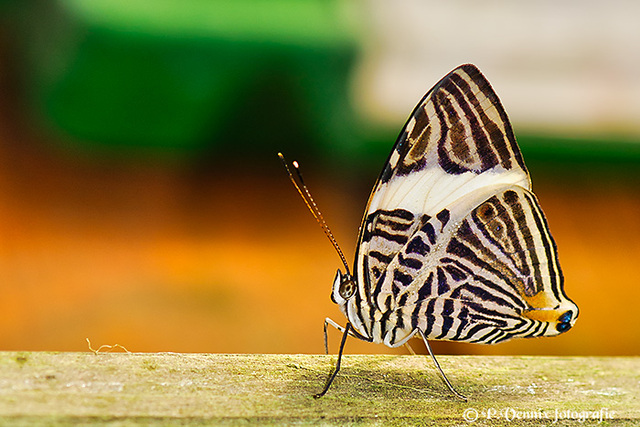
[{"x": 344, "y": 288}]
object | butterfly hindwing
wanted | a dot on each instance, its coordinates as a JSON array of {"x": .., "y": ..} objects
[{"x": 483, "y": 277}]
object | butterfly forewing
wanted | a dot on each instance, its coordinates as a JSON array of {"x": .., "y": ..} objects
[
  {"x": 453, "y": 242},
  {"x": 457, "y": 139}
]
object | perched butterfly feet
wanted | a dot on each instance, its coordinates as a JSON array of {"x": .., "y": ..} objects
[
  {"x": 347, "y": 328},
  {"x": 453, "y": 243}
]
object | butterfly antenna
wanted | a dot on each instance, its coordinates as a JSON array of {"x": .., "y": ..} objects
[{"x": 313, "y": 207}]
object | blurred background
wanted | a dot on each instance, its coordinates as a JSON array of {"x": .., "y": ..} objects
[{"x": 142, "y": 202}]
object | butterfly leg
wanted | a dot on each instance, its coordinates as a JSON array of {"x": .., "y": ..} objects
[
  {"x": 337, "y": 368},
  {"x": 327, "y": 322},
  {"x": 413, "y": 353},
  {"x": 442, "y": 375}
]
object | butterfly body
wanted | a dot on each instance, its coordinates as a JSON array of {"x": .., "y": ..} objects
[{"x": 453, "y": 243}]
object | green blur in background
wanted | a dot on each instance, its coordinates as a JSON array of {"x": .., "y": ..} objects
[
  {"x": 249, "y": 77},
  {"x": 183, "y": 75}
]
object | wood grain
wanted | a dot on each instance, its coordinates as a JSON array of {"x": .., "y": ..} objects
[{"x": 169, "y": 388}]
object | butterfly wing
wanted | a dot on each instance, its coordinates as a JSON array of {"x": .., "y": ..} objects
[
  {"x": 457, "y": 139},
  {"x": 456, "y": 162}
]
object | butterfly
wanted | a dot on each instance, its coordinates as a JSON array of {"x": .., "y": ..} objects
[{"x": 453, "y": 244}]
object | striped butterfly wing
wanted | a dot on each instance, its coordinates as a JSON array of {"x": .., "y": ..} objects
[{"x": 453, "y": 241}]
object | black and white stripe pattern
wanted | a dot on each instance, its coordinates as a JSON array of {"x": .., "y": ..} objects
[{"x": 453, "y": 242}]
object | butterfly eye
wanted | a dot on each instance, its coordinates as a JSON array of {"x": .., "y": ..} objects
[{"x": 347, "y": 288}]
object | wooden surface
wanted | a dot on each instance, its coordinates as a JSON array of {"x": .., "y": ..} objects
[{"x": 166, "y": 389}]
